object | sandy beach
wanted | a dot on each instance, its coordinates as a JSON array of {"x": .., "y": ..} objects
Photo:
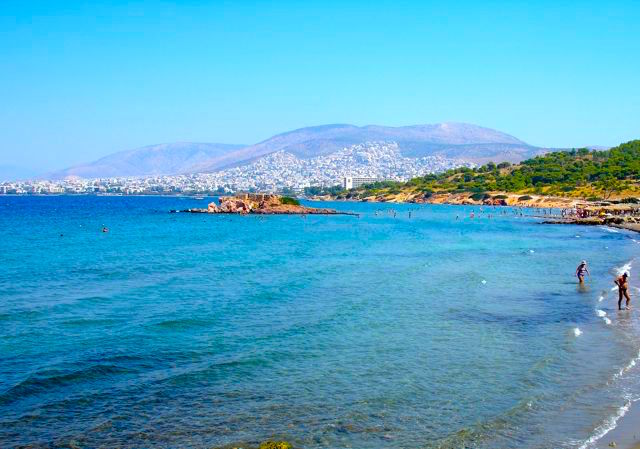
[{"x": 626, "y": 434}]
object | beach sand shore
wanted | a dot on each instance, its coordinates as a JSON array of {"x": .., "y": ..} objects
[{"x": 626, "y": 434}]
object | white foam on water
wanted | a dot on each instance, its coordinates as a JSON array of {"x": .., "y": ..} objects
[
  {"x": 606, "y": 228},
  {"x": 577, "y": 236},
  {"x": 607, "y": 426},
  {"x": 531, "y": 251},
  {"x": 626, "y": 268},
  {"x": 577, "y": 332},
  {"x": 483, "y": 281},
  {"x": 630, "y": 365},
  {"x": 610, "y": 423}
]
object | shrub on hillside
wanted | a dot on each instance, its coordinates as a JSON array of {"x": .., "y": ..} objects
[
  {"x": 480, "y": 196},
  {"x": 427, "y": 193},
  {"x": 290, "y": 201}
]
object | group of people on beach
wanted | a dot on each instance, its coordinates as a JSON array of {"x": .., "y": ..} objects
[{"x": 621, "y": 281}]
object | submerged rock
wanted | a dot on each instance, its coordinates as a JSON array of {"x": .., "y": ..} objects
[
  {"x": 275, "y": 445},
  {"x": 265, "y": 445}
]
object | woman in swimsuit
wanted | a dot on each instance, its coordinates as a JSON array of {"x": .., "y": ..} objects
[{"x": 582, "y": 270}]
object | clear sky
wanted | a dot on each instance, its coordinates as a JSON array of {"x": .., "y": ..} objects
[{"x": 79, "y": 80}]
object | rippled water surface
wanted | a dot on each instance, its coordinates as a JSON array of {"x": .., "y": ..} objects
[{"x": 405, "y": 331}]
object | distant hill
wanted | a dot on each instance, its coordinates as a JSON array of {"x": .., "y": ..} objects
[
  {"x": 450, "y": 140},
  {"x": 162, "y": 159}
]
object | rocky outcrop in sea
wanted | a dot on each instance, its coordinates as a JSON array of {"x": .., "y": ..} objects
[{"x": 263, "y": 204}]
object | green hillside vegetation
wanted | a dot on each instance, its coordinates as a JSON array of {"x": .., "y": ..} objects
[
  {"x": 576, "y": 173},
  {"x": 289, "y": 200}
]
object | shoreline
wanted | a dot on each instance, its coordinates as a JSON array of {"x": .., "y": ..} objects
[
  {"x": 626, "y": 222},
  {"x": 626, "y": 431},
  {"x": 503, "y": 199}
]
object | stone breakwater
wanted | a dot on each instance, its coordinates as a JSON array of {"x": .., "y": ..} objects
[{"x": 261, "y": 204}]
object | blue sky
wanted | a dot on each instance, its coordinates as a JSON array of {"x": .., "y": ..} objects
[{"x": 79, "y": 80}]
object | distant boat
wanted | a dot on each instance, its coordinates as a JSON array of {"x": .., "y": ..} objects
[{"x": 198, "y": 197}]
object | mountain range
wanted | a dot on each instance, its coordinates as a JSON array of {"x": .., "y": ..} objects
[
  {"x": 450, "y": 140},
  {"x": 163, "y": 159}
]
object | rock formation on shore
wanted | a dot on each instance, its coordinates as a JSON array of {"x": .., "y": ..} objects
[
  {"x": 262, "y": 203},
  {"x": 468, "y": 198}
]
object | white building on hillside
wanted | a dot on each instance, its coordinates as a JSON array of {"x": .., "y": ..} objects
[{"x": 354, "y": 182}]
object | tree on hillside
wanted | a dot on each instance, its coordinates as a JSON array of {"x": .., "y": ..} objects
[{"x": 609, "y": 186}]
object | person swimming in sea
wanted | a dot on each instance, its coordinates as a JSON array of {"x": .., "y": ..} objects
[
  {"x": 581, "y": 271},
  {"x": 623, "y": 290}
]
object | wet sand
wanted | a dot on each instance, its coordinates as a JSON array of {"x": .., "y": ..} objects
[{"x": 626, "y": 434}]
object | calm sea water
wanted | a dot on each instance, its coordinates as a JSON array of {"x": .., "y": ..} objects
[{"x": 196, "y": 331}]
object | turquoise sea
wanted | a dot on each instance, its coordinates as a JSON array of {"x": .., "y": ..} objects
[{"x": 385, "y": 331}]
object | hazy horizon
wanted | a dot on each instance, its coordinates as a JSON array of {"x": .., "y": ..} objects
[{"x": 82, "y": 81}]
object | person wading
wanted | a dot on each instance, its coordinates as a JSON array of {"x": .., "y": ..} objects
[
  {"x": 582, "y": 270},
  {"x": 623, "y": 290}
]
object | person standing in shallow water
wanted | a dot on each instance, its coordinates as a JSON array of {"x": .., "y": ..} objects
[
  {"x": 581, "y": 271},
  {"x": 623, "y": 290}
]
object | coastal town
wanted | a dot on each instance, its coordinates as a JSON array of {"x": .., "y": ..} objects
[{"x": 276, "y": 172}]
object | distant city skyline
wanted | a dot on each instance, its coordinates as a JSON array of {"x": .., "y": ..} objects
[{"x": 80, "y": 81}]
